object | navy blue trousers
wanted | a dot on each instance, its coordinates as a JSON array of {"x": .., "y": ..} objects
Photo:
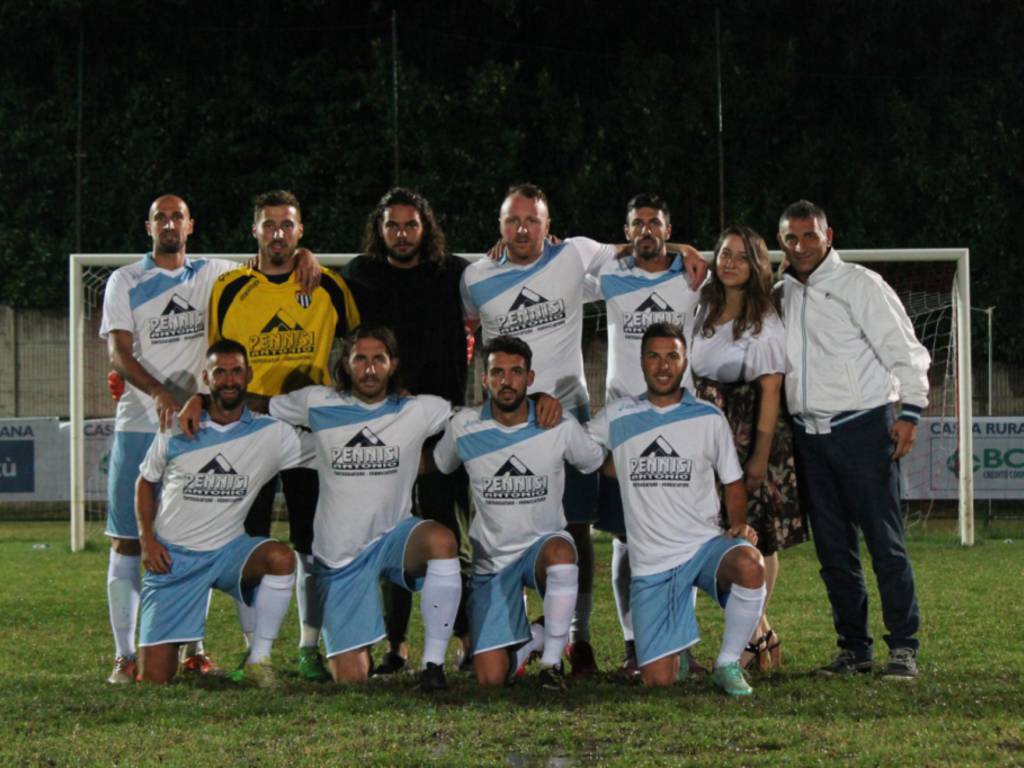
[{"x": 848, "y": 482}]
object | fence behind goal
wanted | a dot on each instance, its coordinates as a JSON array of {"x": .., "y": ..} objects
[{"x": 933, "y": 285}]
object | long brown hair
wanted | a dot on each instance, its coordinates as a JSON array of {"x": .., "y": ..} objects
[{"x": 757, "y": 293}]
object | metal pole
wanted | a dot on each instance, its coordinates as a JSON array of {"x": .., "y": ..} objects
[
  {"x": 965, "y": 434},
  {"x": 721, "y": 143},
  {"x": 394, "y": 91},
  {"x": 78, "y": 139}
]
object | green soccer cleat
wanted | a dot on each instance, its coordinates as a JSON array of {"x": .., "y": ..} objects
[
  {"x": 259, "y": 674},
  {"x": 312, "y": 666},
  {"x": 729, "y": 678}
]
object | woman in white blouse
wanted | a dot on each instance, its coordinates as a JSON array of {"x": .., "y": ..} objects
[{"x": 737, "y": 358}]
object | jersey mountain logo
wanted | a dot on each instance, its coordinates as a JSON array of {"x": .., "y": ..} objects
[
  {"x": 653, "y": 309},
  {"x": 659, "y": 463},
  {"x": 282, "y": 336},
  {"x": 179, "y": 320},
  {"x": 365, "y": 452},
  {"x": 530, "y": 310},
  {"x": 514, "y": 481},
  {"x": 216, "y": 480}
]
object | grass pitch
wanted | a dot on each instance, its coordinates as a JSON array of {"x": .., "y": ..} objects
[{"x": 967, "y": 708}]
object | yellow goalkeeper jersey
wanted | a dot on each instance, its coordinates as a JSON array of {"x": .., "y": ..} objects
[{"x": 288, "y": 335}]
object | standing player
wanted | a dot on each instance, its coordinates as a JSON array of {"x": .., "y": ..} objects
[
  {"x": 368, "y": 444},
  {"x": 851, "y": 355},
  {"x": 288, "y": 335},
  {"x": 408, "y": 281},
  {"x": 666, "y": 449},
  {"x": 649, "y": 286},
  {"x": 517, "y": 474},
  {"x": 205, "y": 487},
  {"x": 155, "y": 323}
]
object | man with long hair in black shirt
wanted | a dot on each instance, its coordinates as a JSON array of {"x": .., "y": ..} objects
[{"x": 407, "y": 280}]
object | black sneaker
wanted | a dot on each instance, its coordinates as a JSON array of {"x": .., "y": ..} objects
[
  {"x": 846, "y": 663},
  {"x": 552, "y": 678},
  {"x": 432, "y": 678},
  {"x": 902, "y": 664},
  {"x": 392, "y": 664}
]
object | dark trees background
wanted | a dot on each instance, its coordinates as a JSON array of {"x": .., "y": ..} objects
[{"x": 901, "y": 120}]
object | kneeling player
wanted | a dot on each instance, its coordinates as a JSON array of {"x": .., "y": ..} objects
[
  {"x": 198, "y": 540},
  {"x": 517, "y": 474},
  {"x": 368, "y": 441},
  {"x": 666, "y": 448}
]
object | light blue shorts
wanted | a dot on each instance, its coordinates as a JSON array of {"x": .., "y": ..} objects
[
  {"x": 497, "y": 617},
  {"x": 174, "y": 604},
  {"x": 126, "y": 455},
  {"x": 662, "y": 603},
  {"x": 352, "y": 610}
]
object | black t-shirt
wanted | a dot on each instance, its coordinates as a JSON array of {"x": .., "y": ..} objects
[{"x": 423, "y": 307}]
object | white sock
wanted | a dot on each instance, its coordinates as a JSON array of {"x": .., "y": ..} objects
[
  {"x": 124, "y": 588},
  {"x": 534, "y": 645},
  {"x": 247, "y": 618},
  {"x": 621, "y": 574},
  {"x": 271, "y": 604},
  {"x": 581, "y": 618},
  {"x": 439, "y": 602},
  {"x": 559, "y": 598},
  {"x": 742, "y": 613},
  {"x": 308, "y": 599}
]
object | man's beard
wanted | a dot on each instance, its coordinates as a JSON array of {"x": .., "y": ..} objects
[
  {"x": 644, "y": 253},
  {"x": 509, "y": 407},
  {"x": 277, "y": 258},
  {"x": 409, "y": 255},
  {"x": 168, "y": 246},
  {"x": 229, "y": 403}
]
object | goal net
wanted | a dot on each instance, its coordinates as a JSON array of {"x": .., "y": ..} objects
[{"x": 933, "y": 285}]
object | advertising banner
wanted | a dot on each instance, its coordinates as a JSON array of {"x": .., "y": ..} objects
[{"x": 931, "y": 470}]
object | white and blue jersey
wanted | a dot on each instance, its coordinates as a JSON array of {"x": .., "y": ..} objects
[
  {"x": 666, "y": 460},
  {"x": 211, "y": 481},
  {"x": 541, "y": 303},
  {"x": 367, "y": 457},
  {"x": 635, "y": 300},
  {"x": 517, "y": 475},
  {"x": 166, "y": 313}
]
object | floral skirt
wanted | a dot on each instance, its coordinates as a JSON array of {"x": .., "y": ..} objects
[{"x": 773, "y": 509}]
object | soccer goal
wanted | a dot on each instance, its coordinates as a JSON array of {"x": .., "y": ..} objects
[{"x": 933, "y": 284}]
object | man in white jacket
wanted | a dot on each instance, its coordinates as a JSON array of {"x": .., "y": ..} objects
[{"x": 851, "y": 358}]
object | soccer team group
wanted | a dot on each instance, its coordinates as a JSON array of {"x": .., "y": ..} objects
[{"x": 697, "y": 464}]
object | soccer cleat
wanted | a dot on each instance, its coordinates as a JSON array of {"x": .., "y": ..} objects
[
  {"x": 259, "y": 674},
  {"x": 552, "y": 678},
  {"x": 536, "y": 634},
  {"x": 629, "y": 668},
  {"x": 902, "y": 664},
  {"x": 464, "y": 660},
  {"x": 581, "y": 657},
  {"x": 729, "y": 678},
  {"x": 392, "y": 664},
  {"x": 124, "y": 671},
  {"x": 312, "y": 666},
  {"x": 432, "y": 678},
  {"x": 200, "y": 664},
  {"x": 845, "y": 663}
]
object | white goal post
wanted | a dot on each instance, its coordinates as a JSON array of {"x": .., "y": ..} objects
[{"x": 80, "y": 311}]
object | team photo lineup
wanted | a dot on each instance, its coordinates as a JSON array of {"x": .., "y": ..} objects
[{"x": 745, "y": 412}]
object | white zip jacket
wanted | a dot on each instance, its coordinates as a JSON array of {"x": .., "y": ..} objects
[{"x": 849, "y": 346}]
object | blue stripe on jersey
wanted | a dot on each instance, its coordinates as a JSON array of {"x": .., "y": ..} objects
[
  {"x": 150, "y": 289},
  {"x": 330, "y": 416},
  {"x": 208, "y": 437},
  {"x": 633, "y": 424},
  {"x": 613, "y": 285},
  {"x": 477, "y": 444},
  {"x": 487, "y": 289}
]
